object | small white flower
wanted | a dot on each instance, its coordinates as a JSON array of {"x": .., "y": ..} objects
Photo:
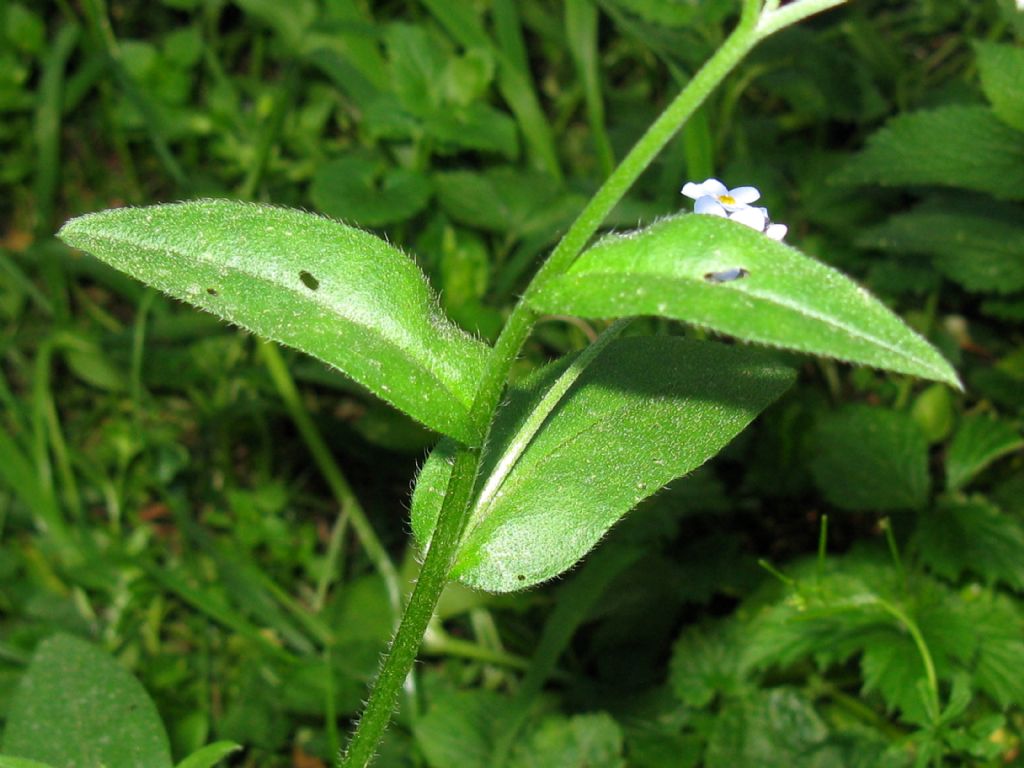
[{"x": 715, "y": 198}]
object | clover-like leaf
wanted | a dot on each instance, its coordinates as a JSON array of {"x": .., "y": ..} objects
[
  {"x": 722, "y": 275},
  {"x": 330, "y": 290}
]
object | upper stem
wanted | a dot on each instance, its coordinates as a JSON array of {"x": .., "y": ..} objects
[{"x": 443, "y": 546}]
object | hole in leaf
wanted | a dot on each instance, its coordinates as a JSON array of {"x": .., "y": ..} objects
[
  {"x": 521, "y": 577},
  {"x": 212, "y": 291},
  {"x": 726, "y": 275},
  {"x": 308, "y": 280}
]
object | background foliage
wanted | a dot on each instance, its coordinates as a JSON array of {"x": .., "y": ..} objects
[{"x": 158, "y": 500}]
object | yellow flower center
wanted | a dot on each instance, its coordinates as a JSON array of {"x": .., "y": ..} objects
[{"x": 727, "y": 199}]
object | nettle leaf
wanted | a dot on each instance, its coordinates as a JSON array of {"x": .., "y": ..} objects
[
  {"x": 955, "y": 146},
  {"x": 1002, "y": 69},
  {"x": 76, "y": 705},
  {"x": 871, "y": 459},
  {"x": 976, "y": 536},
  {"x": 978, "y": 442},
  {"x": 978, "y": 244},
  {"x": 330, "y": 290},
  {"x": 722, "y": 275},
  {"x": 644, "y": 412}
]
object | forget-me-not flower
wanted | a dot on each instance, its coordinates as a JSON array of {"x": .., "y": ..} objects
[{"x": 713, "y": 198}]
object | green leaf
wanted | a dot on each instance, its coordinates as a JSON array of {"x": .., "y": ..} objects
[
  {"x": 973, "y": 242},
  {"x": 20, "y": 762},
  {"x": 362, "y": 190},
  {"x": 999, "y": 657},
  {"x": 781, "y": 297},
  {"x": 584, "y": 741},
  {"x": 330, "y": 290},
  {"x": 871, "y": 459},
  {"x": 706, "y": 662},
  {"x": 461, "y": 727},
  {"x": 966, "y": 147},
  {"x": 514, "y": 202},
  {"x": 646, "y": 411},
  {"x": 978, "y": 442},
  {"x": 770, "y": 729},
  {"x": 1001, "y": 68},
  {"x": 76, "y": 705},
  {"x": 210, "y": 755},
  {"x": 972, "y": 536}
]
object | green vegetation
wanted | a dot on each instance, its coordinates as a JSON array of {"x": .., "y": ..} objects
[{"x": 207, "y": 540}]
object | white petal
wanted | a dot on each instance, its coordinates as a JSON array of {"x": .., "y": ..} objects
[
  {"x": 715, "y": 188},
  {"x": 755, "y": 218},
  {"x": 692, "y": 190},
  {"x": 709, "y": 205},
  {"x": 776, "y": 231},
  {"x": 745, "y": 195}
]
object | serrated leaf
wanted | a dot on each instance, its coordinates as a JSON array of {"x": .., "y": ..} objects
[
  {"x": 644, "y": 412},
  {"x": 871, "y": 459},
  {"x": 330, "y": 290},
  {"x": 584, "y": 741},
  {"x": 210, "y": 755},
  {"x": 770, "y": 729},
  {"x": 1001, "y": 68},
  {"x": 363, "y": 191},
  {"x": 999, "y": 657},
  {"x": 966, "y": 147},
  {"x": 978, "y": 244},
  {"x": 979, "y": 441},
  {"x": 76, "y": 705},
  {"x": 722, "y": 275},
  {"x": 706, "y": 663},
  {"x": 975, "y": 536}
]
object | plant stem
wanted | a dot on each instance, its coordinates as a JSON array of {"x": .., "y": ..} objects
[{"x": 443, "y": 546}]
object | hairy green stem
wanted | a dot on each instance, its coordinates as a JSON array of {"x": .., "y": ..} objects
[{"x": 459, "y": 495}]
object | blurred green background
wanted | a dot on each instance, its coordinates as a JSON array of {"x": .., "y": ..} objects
[{"x": 158, "y": 499}]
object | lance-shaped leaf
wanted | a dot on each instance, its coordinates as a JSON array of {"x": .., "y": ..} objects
[
  {"x": 719, "y": 274},
  {"x": 330, "y": 290},
  {"x": 645, "y": 411}
]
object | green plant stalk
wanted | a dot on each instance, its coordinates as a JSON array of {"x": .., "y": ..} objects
[
  {"x": 922, "y": 649},
  {"x": 451, "y": 520}
]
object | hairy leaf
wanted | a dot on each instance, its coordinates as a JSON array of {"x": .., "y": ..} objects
[
  {"x": 77, "y": 706},
  {"x": 976, "y": 243},
  {"x": 871, "y": 459},
  {"x": 332, "y": 291},
  {"x": 644, "y": 412},
  {"x": 722, "y": 275},
  {"x": 978, "y": 442},
  {"x": 972, "y": 536},
  {"x": 966, "y": 147}
]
